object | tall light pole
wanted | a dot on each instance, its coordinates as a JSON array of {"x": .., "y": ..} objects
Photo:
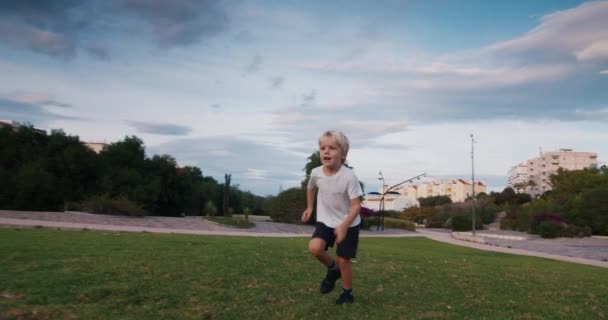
[
  {"x": 473, "y": 179},
  {"x": 381, "y": 205},
  {"x": 385, "y": 190}
]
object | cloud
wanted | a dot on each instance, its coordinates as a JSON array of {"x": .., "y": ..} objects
[
  {"x": 38, "y": 40},
  {"x": 467, "y": 79},
  {"x": 276, "y": 82},
  {"x": 182, "y": 22},
  {"x": 56, "y": 28},
  {"x": 253, "y": 166},
  {"x": 545, "y": 73},
  {"x": 595, "y": 51},
  {"x": 565, "y": 33},
  {"x": 308, "y": 99},
  {"x": 600, "y": 114},
  {"x": 25, "y": 112},
  {"x": 38, "y": 98},
  {"x": 244, "y": 37},
  {"x": 99, "y": 51},
  {"x": 160, "y": 128},
  {"x": 253, "y": 66},
  {"x": 304, "y": 126}
]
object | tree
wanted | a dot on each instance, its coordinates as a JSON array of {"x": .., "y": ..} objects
[
  {"x": 591, "y": 209},
  {"x": 434, "y": 201},
  {"x": 506, "y": 196},
  {"x": 226, "y": 202},
  {"x": 210, "y": 208},
  {"x": 122, "y": 165},
  {"x": 314, "y": 160}
]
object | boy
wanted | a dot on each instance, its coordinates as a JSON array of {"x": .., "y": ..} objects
[{"x": 338, "y": 206}]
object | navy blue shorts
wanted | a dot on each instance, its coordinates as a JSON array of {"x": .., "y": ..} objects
[{"x": 348, "y": 248}]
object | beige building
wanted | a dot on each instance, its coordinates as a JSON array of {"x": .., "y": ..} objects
[
  {"x": 392, "y": 201},
  {"x": 457, "y": 189},
  {"x": 540, "y": 169}
]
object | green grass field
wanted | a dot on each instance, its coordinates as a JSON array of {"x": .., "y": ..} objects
[{"x": 48, "y": 274}]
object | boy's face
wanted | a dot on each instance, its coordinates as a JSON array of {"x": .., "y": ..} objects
[{"x": 331, "y": 154}]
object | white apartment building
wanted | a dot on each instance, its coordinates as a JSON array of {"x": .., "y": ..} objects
[
  {"x": 540, "y": 169},
  {"x": 518, "y": 178}
]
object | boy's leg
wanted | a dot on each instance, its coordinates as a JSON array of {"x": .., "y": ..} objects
[
  {"x": 322, "y": 239},
  {"x": 346, "y": 270},
  {"x": 346, "y": 251},
  {"x": 316, "y": 247}
]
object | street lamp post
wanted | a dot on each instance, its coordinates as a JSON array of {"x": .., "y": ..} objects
[
  {"x": 473, "y": 180},
  {"x": 385, "y": 190},
  {"x": 381, "y": 205}
]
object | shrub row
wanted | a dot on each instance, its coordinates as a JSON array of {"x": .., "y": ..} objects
[{"x": 105, "y": 205}]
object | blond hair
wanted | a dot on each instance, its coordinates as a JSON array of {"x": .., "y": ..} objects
[{"x": 340, "y": 139}]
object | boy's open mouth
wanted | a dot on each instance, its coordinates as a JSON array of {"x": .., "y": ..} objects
[{"x": 326, "y": 158}]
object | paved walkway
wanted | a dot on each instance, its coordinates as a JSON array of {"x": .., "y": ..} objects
[
  {"x": 187, "y": 225},
  {"x": 590, "y": 251},
  {"x": 544, "y": 248}
]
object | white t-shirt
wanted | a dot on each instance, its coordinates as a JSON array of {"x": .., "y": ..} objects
[{"x": 335, "y": 194}]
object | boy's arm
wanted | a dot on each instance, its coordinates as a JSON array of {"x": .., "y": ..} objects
[
  {"x": 355, "y": 207},
  {"x": 310, "y": 202},
  {"x": 310, "y": 198}
]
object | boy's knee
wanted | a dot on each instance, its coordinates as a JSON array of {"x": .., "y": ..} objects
[{"x": 315, "y": 249}]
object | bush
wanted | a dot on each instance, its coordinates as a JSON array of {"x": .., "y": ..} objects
[
  {"x": 576, "y": 231},
  {"x": 106, "y": 205},
  {"x": 369, "y": 222},
  {"x": 487, "y": 211},
  {"x": 369, "y": 218},
  {"x": 464, "y": 223},
  {"x": 392, "y": 213},
  {"x": 399, "y": 224},
  {"x": 507, "y": 224},
  {"x": 524, "y": 214},
  {"x": 551, "y": 229},
  {"x": 288, "y": 206},
  {"x": 539, "y": 218},
  {"x": 210, "y": 209}
]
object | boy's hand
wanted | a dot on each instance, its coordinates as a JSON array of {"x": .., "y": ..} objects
[
  {"x": 340, "y": 233},
  {"x": 306, "y": 214}
]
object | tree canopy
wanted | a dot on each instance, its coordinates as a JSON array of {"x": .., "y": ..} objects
[{"x": 43, "y": 171}]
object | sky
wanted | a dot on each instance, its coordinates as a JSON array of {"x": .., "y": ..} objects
[{"x": 247, "y": 87}]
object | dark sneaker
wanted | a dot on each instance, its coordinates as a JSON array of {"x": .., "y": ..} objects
[
  {"x": 329, "y": 283},
  {"x": 345, "y": 297}
]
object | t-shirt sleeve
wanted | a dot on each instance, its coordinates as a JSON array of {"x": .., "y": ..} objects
[
  {"x": 312, "y": 182},
  {"x": 354, "y": 187}
]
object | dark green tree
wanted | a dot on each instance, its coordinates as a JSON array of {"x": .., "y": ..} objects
[{"x": 226, "y": 199}]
